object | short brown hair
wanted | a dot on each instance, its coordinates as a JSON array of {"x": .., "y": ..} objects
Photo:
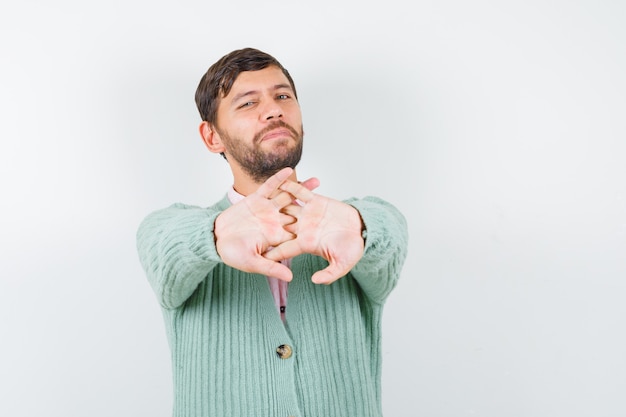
[{"x": 218, "y": 80}]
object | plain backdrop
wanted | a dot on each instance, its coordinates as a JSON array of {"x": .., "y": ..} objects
[{"x": 497, "y": 127}]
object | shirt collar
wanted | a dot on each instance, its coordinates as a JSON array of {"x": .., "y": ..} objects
[{"x": 233, "y": 196}]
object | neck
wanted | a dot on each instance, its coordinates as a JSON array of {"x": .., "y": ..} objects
[{"x": 245, "y": 185}]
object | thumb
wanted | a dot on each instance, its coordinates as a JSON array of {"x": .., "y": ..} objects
[
  {"x": 261, "y": 265},
  {"x": 328, "y": 275}
]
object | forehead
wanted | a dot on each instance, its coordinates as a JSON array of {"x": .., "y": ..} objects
[{"x": 270, "y": 77}]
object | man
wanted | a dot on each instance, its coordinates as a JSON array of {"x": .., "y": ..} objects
[{"x": 272, "y": 297}]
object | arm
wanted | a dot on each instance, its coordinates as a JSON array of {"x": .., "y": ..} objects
[
  {"x": 333, "y": 230},
  {"x": 176, "y": 247},
  {"x": 386, "y": 241},
  {"x": 179, "y": 246}
]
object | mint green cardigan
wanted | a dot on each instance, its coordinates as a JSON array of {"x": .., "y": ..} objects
[{"x": 224, "y": 330}]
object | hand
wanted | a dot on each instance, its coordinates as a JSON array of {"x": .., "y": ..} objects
[
  {"x": 324, "y": 227},
  {"x": 246, "y": 230}
]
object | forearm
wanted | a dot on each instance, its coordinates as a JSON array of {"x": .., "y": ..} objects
[
  {"x": 176, "y": 248},
  {"x": 386, "y": 240}
]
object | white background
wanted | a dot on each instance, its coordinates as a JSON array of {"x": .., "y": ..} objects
[{"x": 497, "y": 127}]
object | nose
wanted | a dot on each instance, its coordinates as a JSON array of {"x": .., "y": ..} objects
[{"x": 272, "y": 111}]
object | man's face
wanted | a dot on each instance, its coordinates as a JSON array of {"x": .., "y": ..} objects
[{"x": 260, "y": 123}]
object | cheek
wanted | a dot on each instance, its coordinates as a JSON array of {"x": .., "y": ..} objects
[
  {"x": 296, "y": 117},
  {"x": 239, "y": 129},
  {"x": 243, "y": 127}
]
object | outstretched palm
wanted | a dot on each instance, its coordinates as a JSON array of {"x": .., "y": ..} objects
[{"x": 324, "y": 227}]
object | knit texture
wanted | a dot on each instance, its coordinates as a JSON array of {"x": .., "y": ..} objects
[{"x": 223, "y": 327}]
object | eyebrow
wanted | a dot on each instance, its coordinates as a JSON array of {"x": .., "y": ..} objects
[{"x": 252, "y": 92}]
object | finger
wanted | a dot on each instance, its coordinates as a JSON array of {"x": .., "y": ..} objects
[
  {"x": 328, "y": 275},
  {"x": 286, "y": 219},
  {"x": 282, "y": 199},
  {"x": 272, "y": 183},
  {"x": 285, "y": 250},
  {"x": 270, "y": 268},
  {"x": 285, "y": 236},
  {"x": 291, "y": 228},
  {"x": 300, "y": 192},
  {"x": 292, "y": 210},
  {"x": 311, "y": 184}
]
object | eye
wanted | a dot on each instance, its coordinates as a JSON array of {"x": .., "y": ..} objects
[
  {"x": 283, "y": 96},
  {"x": 246, "y": 104}
]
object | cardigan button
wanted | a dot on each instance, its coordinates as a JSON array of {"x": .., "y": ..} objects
[{"x": 284, "y": 351}]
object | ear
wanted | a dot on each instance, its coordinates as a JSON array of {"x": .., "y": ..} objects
[{"x": 211, "y": 138}]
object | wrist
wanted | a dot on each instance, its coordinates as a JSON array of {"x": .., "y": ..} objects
[{"x": 363, "y": 228}]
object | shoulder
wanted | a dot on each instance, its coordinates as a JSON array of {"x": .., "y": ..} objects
[
  {"x": 220, "y": 205},
  {"x": 372, "y": 205}
]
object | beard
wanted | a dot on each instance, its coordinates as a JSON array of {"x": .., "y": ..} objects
[{"x": 260, "y": 164}]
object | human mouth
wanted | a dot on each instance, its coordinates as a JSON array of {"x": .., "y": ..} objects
[{"x": 276, "y": 134}]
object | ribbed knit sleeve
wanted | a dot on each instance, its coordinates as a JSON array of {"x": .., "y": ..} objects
[
  {"x": 385, "y": 247},
  {"x": 176, "y": 248}
]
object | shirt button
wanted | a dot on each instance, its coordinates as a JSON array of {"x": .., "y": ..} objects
[{"x": 284, "y": 351}]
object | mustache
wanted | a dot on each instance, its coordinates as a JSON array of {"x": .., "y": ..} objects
[{"x": 272, "y": 126}]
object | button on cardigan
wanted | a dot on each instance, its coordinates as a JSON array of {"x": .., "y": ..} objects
[{"x": 224, "y": 332}]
